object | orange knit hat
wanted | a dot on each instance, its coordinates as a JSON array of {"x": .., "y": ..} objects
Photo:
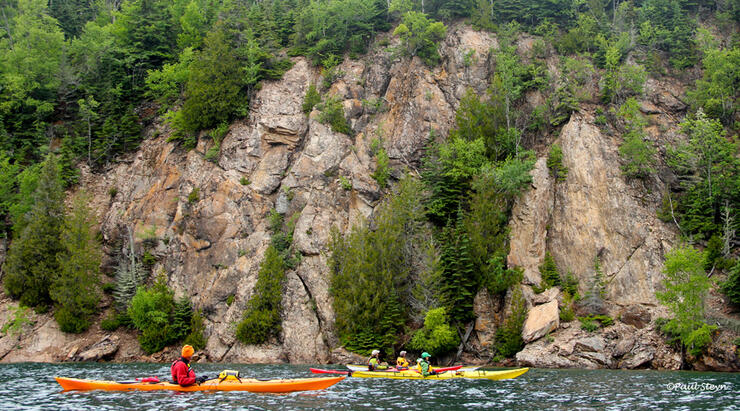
[{"x": 187, "y": 351}]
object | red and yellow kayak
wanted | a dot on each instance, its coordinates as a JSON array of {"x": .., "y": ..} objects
[{"x": 246, "y": 384}]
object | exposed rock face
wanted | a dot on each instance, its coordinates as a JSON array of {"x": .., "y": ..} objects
[
  {"x": 540, "y": 321},
  {"x": 210, "y": 223},
  {"x": 618, "y": 346},
  {"x": 529, "y": 223},
  {"x": 597, "y": 214}
]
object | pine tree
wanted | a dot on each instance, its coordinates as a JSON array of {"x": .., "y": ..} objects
[
  {"x": 182, "y": 318},
  {"x": 75, "y": 290},
  {"x": 459, "y": 282},
  {"x": 32, "y": 258}
]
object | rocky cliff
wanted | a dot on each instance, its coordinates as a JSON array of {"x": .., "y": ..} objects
[{"x": 208, "y": 220}]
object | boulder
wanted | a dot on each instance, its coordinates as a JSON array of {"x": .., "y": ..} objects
[
  {"x": 636, "y": 315},
  {"x": 638, "y": 358},
  {"x": 551, "y": 294},
  {"x": 102, "y": 350},
  {"x": 623, "y": 346},
  {"x": 591, "y": 344},
  {"x": 540, "y": 321}
]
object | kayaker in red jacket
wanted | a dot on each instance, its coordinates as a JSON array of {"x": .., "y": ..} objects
[{"x": 181, "y": 372}]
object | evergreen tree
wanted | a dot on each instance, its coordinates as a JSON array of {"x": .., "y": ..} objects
[
  {"x": 459, "y": 276},
  {"x": 75, "y": 289},
  {"x": 214, "y": 90},
  {"x": 182, "y": 318},
  {"x": 32, "y": 261}
]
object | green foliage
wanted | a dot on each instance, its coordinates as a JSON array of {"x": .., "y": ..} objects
[
  {"x": 686, "y": 286},
  {"x": 588, "y": 324},
  {"x": 110, "y": 323},
  {"x": 592, "y": 323},
  {"x": 261, "y": 320},
  {"x": 214, "y": 89},
  {"x": 21, "y": 318},
  {"x": 196, "y": 337},
  {"x": 638, "y": 155},
  {"x": 331, "y": 27},
  {"x": 371, "y": 267},
  {"x": 244, "y": 181},
  {"x": 555, "y": 163},
  {"x": 731, "y": 287},
  {"x": 593, "y": 301},
  {"x": 194, "y": 195},
  {"x": 129, "y": 276},
  {"x": 312, "y": 99},
  {"x": 32, "y": 262},
  {"x": 420, "y": 36},
  {"x": 459, "y": 281},
  {"x": 345, "y": 183},
  {"x": 332, "y": 113},
  {"x": 508, "y": 340},
  {"x": 708, "y": 171},
  {"x": 549, "y": 271},
  {"x": 620, "y": 80},
  {"x": 437, "y": 336},
  {"x": 486, "y": 224},
  {"x": 182, "y": 316},
  {"x": 382, "y": 169},
  {"x": 569, "y": 284},
  {"x": 76, "y": 289},
  {"x": 567, "y": 313},
  {"x": 161, "y": 321},
  {"x": 716, "y": 91}
]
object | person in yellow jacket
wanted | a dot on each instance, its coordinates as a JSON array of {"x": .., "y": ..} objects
[
  {"x": 401, "y": 362},
  {"x": 374, "y": 361},
  {"x": 424, "y": 367}
]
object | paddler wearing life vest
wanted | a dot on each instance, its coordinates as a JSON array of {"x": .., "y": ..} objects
[
  {"x": 401, "y": 362},
  {"x": 374, "y": 361},
  {"x": 182, "y": 373},
  {"x": 423, "y": 364}
]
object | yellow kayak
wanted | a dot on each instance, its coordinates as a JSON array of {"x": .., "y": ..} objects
[
  {"x": 447, "y": 375},
  {"x": 246, "y": 384}
]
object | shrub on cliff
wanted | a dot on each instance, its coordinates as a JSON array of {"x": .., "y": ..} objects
[
  {"x": 261, "y": 320},
  {"x": 686, "y": 286},
  {"x": 420, "y": 36},
  {"x": 161, "y": 321},
  {"x": 437, "y": 336},
  {"x": 549, "y": 271},
  {"x": 638, "y": 155},
  {"x": 332, "y": 113}
]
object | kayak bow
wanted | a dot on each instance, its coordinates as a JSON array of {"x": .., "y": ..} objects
[{"x": 246, "y": 384}]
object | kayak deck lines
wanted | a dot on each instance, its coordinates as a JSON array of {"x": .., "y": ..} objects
[{"x": 246, "y": 384}]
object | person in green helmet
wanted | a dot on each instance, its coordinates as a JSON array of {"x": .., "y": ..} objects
[{"x": 424, "y": 367}]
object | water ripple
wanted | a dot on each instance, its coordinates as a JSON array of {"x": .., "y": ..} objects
[{"x": 31, "y": 386}]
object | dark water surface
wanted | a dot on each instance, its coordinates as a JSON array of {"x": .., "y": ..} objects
[{"x": 31, "y": 386}]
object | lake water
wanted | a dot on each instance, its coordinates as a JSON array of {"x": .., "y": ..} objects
[{"x": 32, "y": 386}]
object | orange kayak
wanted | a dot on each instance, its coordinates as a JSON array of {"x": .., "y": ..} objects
[{"x": 246, "y": 384}]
